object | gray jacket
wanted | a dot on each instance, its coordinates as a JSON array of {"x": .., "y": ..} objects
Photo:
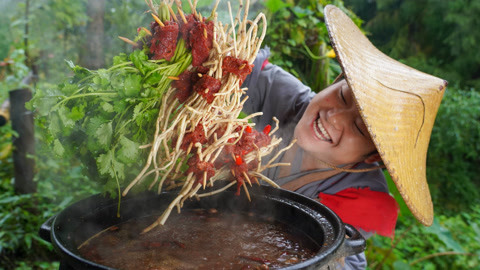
[{"x": 279, "y": 94}]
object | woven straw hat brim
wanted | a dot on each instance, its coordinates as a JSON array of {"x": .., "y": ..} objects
[{"x": 398, "y": 105}]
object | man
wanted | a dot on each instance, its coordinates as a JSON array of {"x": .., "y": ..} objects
[{"x": 383, "y": 111}]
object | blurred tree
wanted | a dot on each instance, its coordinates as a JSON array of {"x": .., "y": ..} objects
[
  {"x": 122, "y": 18},
  {"x": 454, "y": 152},
  {"x": 299, "y": 40},
  {"x": 52, "y": 20},
  {"x": 91, "y": 53},
  {"x": 438, "y": 37},
  {"x": 64, "y": 24},
  {"x": 5, "y": 33}
]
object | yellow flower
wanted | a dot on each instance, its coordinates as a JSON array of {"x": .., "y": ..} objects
[
  {"x": 330, "y": 54},
  {"x": 6, "y": 151}
]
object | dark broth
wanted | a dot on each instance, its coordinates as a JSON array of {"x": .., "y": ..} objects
[{"x": 200, "y": 239}]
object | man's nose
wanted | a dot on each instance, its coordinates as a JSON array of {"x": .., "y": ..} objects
[{"x": 338, "y": 117}]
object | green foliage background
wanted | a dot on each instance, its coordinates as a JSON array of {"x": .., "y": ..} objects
[{"x": 438, "y": 37}]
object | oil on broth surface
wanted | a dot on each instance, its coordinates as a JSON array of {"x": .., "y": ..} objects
[{"x": 200, "y": 239}]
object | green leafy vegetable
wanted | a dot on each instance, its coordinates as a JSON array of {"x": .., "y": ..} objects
[{"x": 102, "y": 117}]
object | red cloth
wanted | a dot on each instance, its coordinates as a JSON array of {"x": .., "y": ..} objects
[
  {"x": 264, "y": 64},
  {"x": 372, "y": 211}
]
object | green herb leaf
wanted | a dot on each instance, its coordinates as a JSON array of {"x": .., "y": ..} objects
[
  {"x": 133, "y": 85},
  {"x": 129, "y": 149},
  {"x": 104, "y": 134},
  {"x": 107, "y": 164}
]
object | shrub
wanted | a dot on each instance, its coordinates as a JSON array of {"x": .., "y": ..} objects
[{"x": 454, "y": 151}]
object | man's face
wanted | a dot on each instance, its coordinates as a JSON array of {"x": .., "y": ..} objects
[{"x": 332, "y": 130}]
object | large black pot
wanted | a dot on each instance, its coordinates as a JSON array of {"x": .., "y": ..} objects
[{"x": 78, "y": 222}]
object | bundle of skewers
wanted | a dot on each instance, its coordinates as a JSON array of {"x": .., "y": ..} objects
[
  {"x": 199, "y": 137},
  {"x": 171, "y": 107}
]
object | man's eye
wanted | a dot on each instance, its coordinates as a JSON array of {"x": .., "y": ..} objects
[
  {"x": 343, "y": 97},
  {"x": 360, "y": 130}
]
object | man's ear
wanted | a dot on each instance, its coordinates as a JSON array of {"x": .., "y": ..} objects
[{"x": 373, "y": 158}]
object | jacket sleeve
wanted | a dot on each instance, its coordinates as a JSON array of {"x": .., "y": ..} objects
[
  {"x": 354, "y": 262},
  {"x": 274, "y": 92}
]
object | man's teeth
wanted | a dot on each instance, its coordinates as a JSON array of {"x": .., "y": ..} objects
[{"x": 320, "y": 131}]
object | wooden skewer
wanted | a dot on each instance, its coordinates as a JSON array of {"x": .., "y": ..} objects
[
  {"x": 204, "y": 179},
  {"x": 128, "y": 41},
  {"x": 172, "y": 13},
  {"x": 147, "y": 31},
  {"x": 189, "y": 148},
  {"x": 181, "y": 14},
  {"x": 157, "y": 20},
  {"x": 246, "y": 191},
  {"x": 247, "y": 178}
]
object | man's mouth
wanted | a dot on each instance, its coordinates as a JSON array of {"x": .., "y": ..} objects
[{"x": 320, "y": 131}]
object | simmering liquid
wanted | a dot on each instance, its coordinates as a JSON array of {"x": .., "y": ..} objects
[{"x": 200, "y": 239}]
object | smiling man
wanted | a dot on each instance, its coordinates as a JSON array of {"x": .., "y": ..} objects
[
  {"x": 332, "y": 129},
  {"x": 382, "y": 111}
]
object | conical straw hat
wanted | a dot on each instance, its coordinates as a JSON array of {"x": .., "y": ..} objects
[{"x": 398, "y": 105}]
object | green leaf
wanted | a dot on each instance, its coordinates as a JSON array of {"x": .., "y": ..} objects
[
  {"x": 301, "y": 12},
  {"x": 104, "y": 163},
  {"x": 136, "y": 112},
  {"x": 275, "y": 5},
  {"x": 107, "y": 164},
  {"x": 92, "y": 126},
  {"x": 133, "y": 85},
  {"x": 77, "y": 112},
  {"x": 58, "y": 148},
  {"x": 28, "y": 240},
  {"x": 94, "y": 123},
  {"x": 445, "y": 235},
  {"x": 107, "y": 107},
  {"x": 43, "y": 101},
  {"x": 54, "y": 125},
  {"x": 68, "y": 88},
  {"x": 64, "y": 115},
  {"x": 129, "y": 150},
  {"x": 138, "y": 58},
  {"x": 117, "y": 80},
  {"x": 120, "y": 59},
  {"x": 120, "y": 106},
  {"x": 78, "y": 70},
  {"x": 104, "y": 134},
  {"x": 401, "y": 265},
  {"x": 404, "y": 211},
  {"x": 154, "y": 79},
  {"x": 102, "y": 78}
]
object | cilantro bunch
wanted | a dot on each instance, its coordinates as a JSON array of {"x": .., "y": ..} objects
[{"x": 103, "y": 116}]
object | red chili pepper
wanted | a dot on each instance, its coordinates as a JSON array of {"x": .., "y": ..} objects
[
  {"x": 248, "y": 129},
  {"x": 238, "y": 160},
  {"x": 267, "y": 129}
]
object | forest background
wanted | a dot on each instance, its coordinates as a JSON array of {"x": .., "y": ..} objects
[{"x": 438, "y": 37}]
